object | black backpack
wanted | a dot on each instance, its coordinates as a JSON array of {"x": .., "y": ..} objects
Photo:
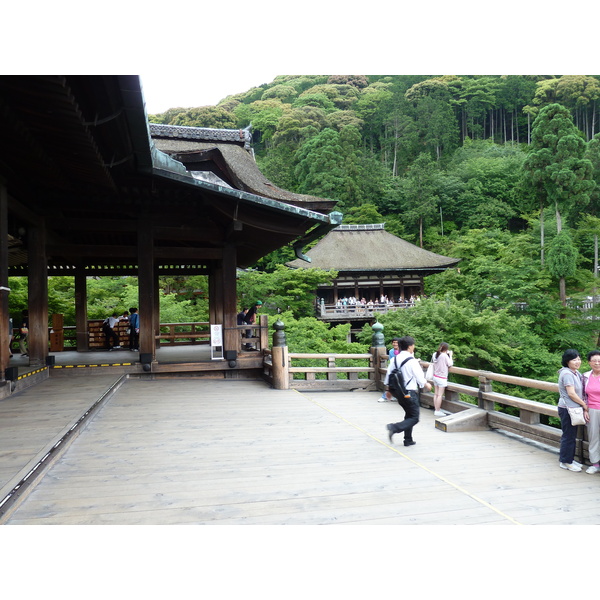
[{"x": 396, "y": 380}]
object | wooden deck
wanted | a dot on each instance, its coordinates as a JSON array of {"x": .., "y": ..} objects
[{"x": 232, "y": 453}]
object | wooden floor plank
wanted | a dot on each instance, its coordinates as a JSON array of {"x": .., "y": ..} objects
[{"x": 223, "y": 452}]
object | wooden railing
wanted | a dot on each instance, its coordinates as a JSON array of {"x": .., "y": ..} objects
[
  {"x": 184, "y": 333},
  {"x": 325, "y": 371},
  {"x": 171, "y": 334},
  {"x": 359, "y": 310}
]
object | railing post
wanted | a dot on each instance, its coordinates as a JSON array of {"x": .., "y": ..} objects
[
  {"x": 485, "y": 385},
  {"x": 263, "y": 332},
  {"x": 332, "y": 375},
  {"x": 377, "y": 353},
  {"x": 279, "y": 357}
]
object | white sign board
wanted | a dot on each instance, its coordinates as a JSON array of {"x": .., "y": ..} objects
[{"x": 216, "y": 342}]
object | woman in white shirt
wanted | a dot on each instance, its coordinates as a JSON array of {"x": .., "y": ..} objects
[{"x": 442, "y": 361}]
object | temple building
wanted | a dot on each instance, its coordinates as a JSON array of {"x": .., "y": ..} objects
[
  {"x": 85, "y": 190},
  {"x": 377, "y": 271}
]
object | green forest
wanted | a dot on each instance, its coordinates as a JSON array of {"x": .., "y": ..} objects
[{"x": 502, "y": 172}]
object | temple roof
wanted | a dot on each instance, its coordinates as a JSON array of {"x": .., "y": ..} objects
[
  {"x": 227, "y": 154},
  {"x": 370, "y": 248},
  {"x": 77, "y": 162}
]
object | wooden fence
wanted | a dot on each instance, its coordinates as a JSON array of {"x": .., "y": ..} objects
[{"x": 468, "y": 407}]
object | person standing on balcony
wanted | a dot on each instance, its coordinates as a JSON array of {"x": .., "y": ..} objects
[
  {"x": 250, "y": 319},
  {"x": 570, "y": 389},
  {"x": 442, "y": 361},
  {"x": 413, "y": 379},
  {"x": 108, "y": 328},
  {"x": 134, "y": 330},
  {"x": 241, "y": 316},
  {"x": 591, "y": 386},
  {"x": 24, "y": 333}
]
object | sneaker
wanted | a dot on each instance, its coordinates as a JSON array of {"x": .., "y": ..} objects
[
  {"x": 390, "y": 433},
  {"x": 592, "y": 470},
  {"x": 571, "y": 467},
  {"x": 439, "y": 413},
  {"x": 409, "y": 442},
  {"x": 382, "y": 399}
]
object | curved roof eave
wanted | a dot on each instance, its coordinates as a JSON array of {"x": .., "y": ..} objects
[{"x": 169, "y": 168}]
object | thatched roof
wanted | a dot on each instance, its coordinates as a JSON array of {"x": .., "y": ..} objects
[
  {"x": 371, "y": 248},
  {"x": 226, "y": 153}
]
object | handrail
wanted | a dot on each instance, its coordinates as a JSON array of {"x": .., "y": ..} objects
[
  {"x": 329, "y": 310},
  {"x": 336, "y": 375}
]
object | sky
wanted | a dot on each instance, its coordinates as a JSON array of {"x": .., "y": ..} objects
[
  {"x": 197, "y": 54},
  {"x": 173, "y": 90}
]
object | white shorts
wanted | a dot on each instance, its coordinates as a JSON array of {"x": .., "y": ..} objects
[{"x": 440, "y": 381}]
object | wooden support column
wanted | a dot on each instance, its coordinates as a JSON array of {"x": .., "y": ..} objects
[
  {"x": 38, "y": 296},
  {"x": 212, "y": 297},
  {"x": 216, "y": 299},
  {"x": 81, "y": 326},
  {"x": 485, "y": 385},
  {"x": 4, "y": 290},
  {"x": 146, "y": 288},
  {"x": 231, "y": 337},
  {"x": 280, "y": 357},
  {"x": 156, "y": 312}
]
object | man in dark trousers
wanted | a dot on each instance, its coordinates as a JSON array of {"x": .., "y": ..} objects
[
  {"x": 413, "y": 379},
  {"x": 108, "y": 327},
  {"x": 134, "y": 330}
]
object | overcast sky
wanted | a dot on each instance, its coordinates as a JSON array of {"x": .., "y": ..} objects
[
  {"x": 192, "y": 54},
  {"x": 173, "y": 90}
]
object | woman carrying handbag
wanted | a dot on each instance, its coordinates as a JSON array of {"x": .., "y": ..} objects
[{"x": 570, "y": 402}]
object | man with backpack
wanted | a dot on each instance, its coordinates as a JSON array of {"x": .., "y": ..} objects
[{"x": 402, "y": 380}]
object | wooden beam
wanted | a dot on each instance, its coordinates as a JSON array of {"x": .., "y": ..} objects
[
  {"x": 21, "y": 211},
  {"x": 131, "y": 252}
]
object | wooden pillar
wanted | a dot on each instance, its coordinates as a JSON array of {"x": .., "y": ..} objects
[
  {"x": 231, "y": 337},
  {"x": 81, "y": 315},
  {"x": 213, "y": 316},
  {"x": 146, "y": 288},
  {"x": 485, "y": 385},
  {"x": 38, "y": 295},
  {"x": 4, "y": 289},
  {"x": 379, "y": 357},
  {"x": 279, "y": 357},
  {"x": 156, "y": 311}
]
